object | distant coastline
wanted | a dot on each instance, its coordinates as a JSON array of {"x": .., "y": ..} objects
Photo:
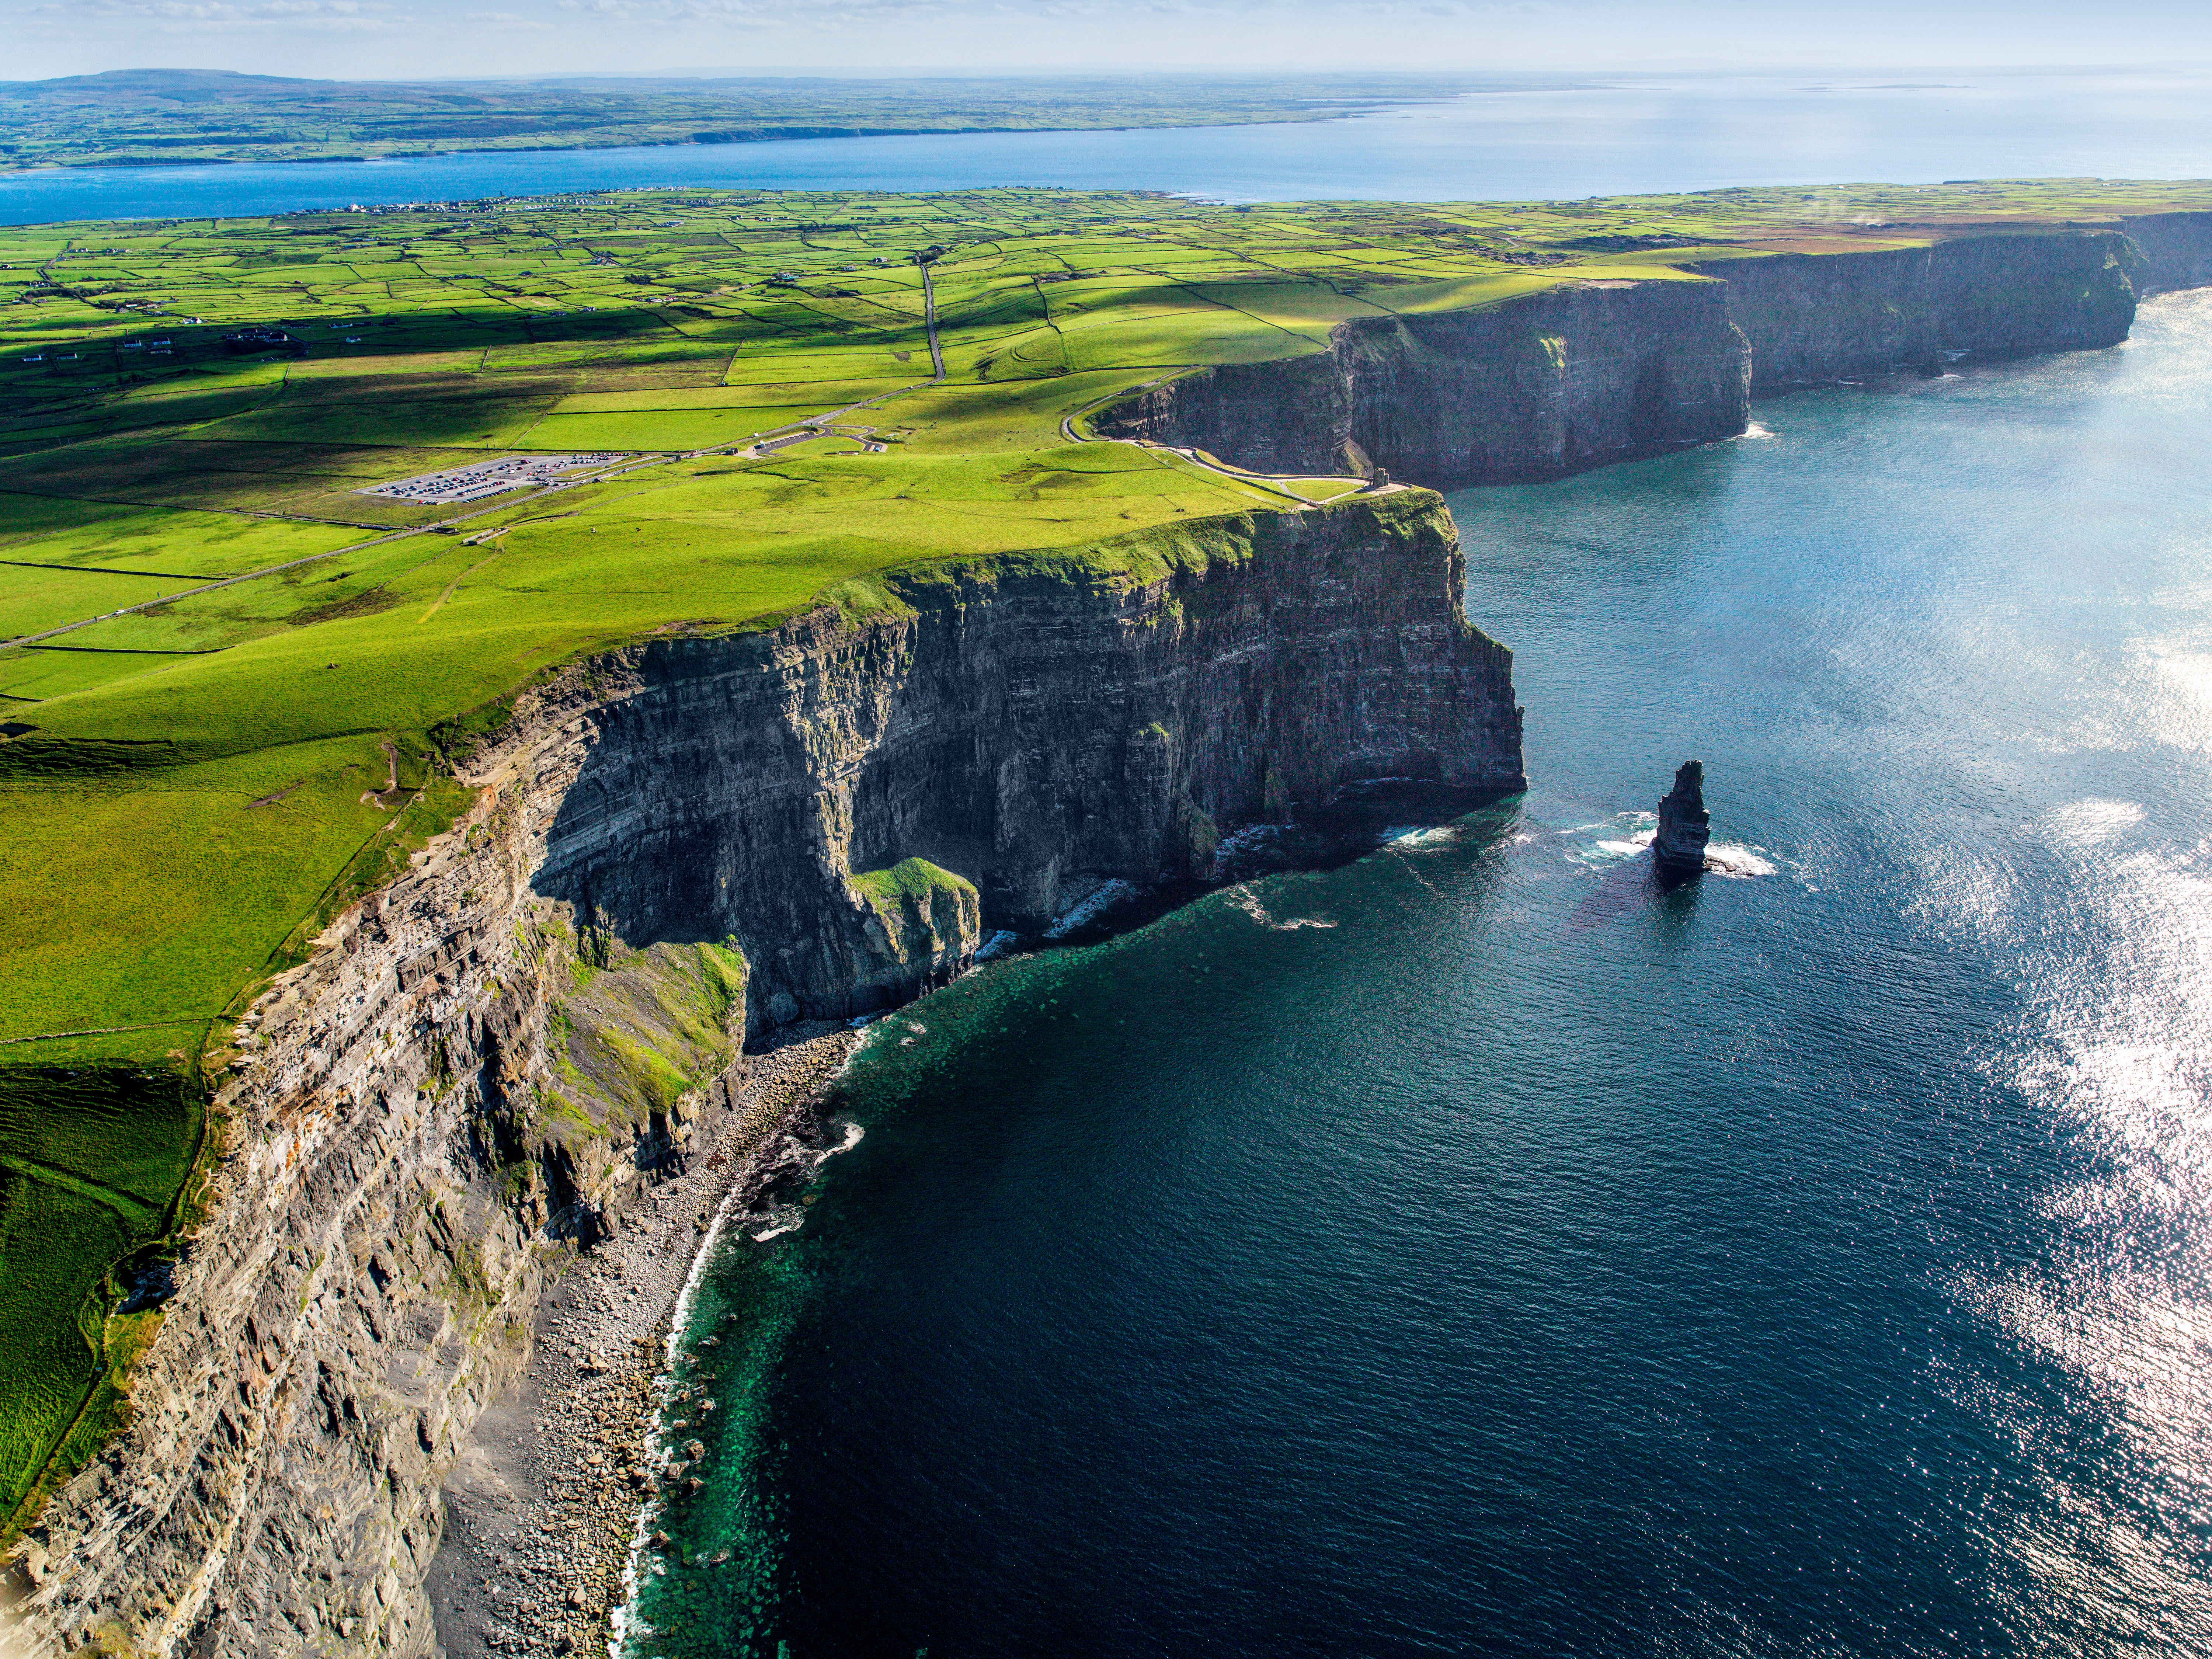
[{"x": 191, "y": 118}]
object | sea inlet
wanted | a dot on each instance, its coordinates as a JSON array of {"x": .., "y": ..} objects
[{"x": 1477, "y": 1249}]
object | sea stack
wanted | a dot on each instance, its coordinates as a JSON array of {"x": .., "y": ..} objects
[{"x": 1678, "y": 851}]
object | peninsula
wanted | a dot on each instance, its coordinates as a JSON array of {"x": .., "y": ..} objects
[{"x": 479, "y": 677}]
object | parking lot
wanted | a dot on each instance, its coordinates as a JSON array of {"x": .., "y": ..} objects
[{"x": 475, "y": 483}]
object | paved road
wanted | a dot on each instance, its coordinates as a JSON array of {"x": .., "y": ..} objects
[
  {"x": 929, "y": 316},
  {"x": 1279, "y": 482}
]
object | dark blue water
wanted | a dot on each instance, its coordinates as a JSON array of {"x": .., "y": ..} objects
[
  {"x": 1475, "y": 1250},
  {"x": 1540, "y": 141}
]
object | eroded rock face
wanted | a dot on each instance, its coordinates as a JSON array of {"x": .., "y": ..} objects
[
  {"x": 1815, "y": 318},
  {"x": 1575, "y": 377},
  {"x": 2177, "y": 247},
  {"x": 395, "y": 1173},
  {"x": 1589, "y": 374},
  {"x": 1678, "y": 850},
  {"x": 415, "y": 1133},
  {"x": 1034, "y": 732}
]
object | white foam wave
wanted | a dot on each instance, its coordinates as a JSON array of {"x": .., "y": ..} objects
[
  {"x": 995, "y": 946},
  {"x": 1621, "y": 836},
  {"x": 1736, "y": 862},
  {"x": 1628, "y": 834},
  {"x": 624, "y": 1624},
  {"x": 1756, "y": 431},
  {"x": 1245, "y": 900},
  {"x": 1113, "y": 893}
]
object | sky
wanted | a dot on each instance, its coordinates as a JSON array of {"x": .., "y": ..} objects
[{"x": 417, "y": 39}]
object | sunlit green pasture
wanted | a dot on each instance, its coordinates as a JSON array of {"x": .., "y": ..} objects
[
  {"x": 190, "y": 790},
  {"x": 139, "y": 453}
]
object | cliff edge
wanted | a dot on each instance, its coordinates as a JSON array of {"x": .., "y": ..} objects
[
  {"x": 1574, "y": 377},
  {"x": 1815, "y": 318},
  {"x": 1591, "y": 373},
  {"x": 483, "y": 1066}
]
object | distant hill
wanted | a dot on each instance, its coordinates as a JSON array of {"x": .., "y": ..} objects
[{"x": 155, "y": 115}]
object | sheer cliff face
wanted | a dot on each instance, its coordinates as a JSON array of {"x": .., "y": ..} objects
[
  {"x": 1557, "y": 382},
  {"x": 683, "y": 837},
  {"x": 1031, "y": 728},
  {"x": 2177, "y": 246},
  {"x": 1591, "y": 373},
  {"x": 1824, "y": 317}
]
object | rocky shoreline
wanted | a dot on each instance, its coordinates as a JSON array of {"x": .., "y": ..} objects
[{"x": 542, "y": 1507}]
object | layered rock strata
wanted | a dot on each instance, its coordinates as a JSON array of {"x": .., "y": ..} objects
[
  {"x": 1032, "y": 728},
  {"x": 1588, "y": 374},
  {"x": 1556, "y": 382},
  {"x": 2177, "y": 249},
  {"x": 1812, "y": 317},
  {"x": 483, "y": 1066}
]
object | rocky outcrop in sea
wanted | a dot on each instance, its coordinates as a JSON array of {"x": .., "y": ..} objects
[{"x": 1678, "y": 850}]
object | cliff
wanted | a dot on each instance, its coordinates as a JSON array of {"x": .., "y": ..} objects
[
  {"x": 1556, "y": 382},
  {"x": 1038, "y": 725},
  {"x": 678, "y": 845},
  {"x": 1592, "y": 373},
  {"x": 483, "y": 1065},
  {"x": 2176, "y": 247},
  {"x": 1824, "y": 317}
]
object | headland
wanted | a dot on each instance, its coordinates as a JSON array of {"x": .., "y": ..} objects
[{"x": 458, "y": 868}]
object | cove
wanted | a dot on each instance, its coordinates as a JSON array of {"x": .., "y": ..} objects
[{"x": 1472, "y": 1248}]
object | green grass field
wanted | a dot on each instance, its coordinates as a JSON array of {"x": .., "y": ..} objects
[
  {"x": 91, "y": 1165},
  {"x": 192, "y": 789}
]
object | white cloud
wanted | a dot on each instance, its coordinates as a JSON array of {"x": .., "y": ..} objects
[{"x": 220, "y": 16}]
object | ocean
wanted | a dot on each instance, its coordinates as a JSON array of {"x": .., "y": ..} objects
[{"x": 1475, "y": 1250}]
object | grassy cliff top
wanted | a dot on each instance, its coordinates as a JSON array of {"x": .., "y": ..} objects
[{"x": 227, "y": 669}]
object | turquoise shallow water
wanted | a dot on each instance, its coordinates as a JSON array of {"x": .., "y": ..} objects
[
  {"x": 1472, "y": 1250},
  {"x": 1527, "y": 138}
]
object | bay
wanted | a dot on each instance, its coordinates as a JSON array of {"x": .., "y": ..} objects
[
  {"x": 1529, "y": 137},
  {"x": 1474, "y": 1248}
]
